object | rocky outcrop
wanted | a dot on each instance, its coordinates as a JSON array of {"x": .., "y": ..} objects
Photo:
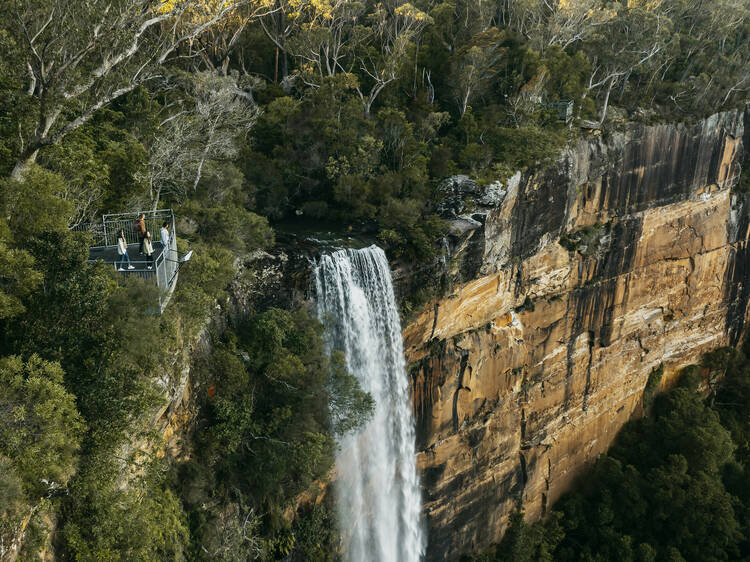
[{"x": 628, "y": 253}]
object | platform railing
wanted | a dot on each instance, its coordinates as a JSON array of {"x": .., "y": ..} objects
[
  {"x": 96, "y": 229},
  {"x": 112, "y": 224}
]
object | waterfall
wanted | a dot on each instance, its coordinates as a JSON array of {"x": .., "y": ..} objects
[{"x": 377, "y": 487}]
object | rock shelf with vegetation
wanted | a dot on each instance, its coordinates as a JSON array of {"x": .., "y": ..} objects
[{"x": 546, "y": 264}]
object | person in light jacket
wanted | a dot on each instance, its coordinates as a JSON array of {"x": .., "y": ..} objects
[
  {"x": 122, "y": 249},
  {"x": 148, "y": 249},
  {"x": 164, "y": 234}
]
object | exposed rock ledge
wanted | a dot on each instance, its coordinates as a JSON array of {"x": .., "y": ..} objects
[{"x": 524, "y": 374}]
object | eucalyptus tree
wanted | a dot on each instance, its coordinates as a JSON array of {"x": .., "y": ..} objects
[
  {"x": 333, "y": 37},
  {"x": 710, "y": 56},
  {"x": 325, "y": 38},
  {"x": 632, "y": 40},
  {"x": 474, "y": 66},
  {"x": 40, "y": 436},
  {"x": 71, "y": 59},
  {"x": 205, "y": 124},
  {"x": 393, "y": 29},
  {"x": 556, "y": 22},
  {"x": 218, "y": 42}
]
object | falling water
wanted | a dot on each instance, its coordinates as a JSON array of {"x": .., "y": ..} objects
[{"x": 377, "y": 490}]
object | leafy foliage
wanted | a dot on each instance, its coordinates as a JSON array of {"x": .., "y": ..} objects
[
  {"x": 268, "y": 433},
  {"x": 143, "y": 522},
  {"x": 39, "y": 426}
]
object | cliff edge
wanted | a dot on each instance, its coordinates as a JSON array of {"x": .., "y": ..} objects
[{"x": 628, "y": 253}]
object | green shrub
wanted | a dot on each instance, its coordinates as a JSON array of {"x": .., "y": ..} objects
[
  {"x": 229, "y": 226},
  {"x": 652, "y": 387},
  {"x": 144, "y": 521},
  {"x": 40, "y": 428}
]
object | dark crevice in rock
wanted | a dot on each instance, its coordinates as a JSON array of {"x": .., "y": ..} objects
[
  {"x": 426, "y": 376},
  {"x": 549, "y": 473},
  {"x": 459, "y": 387},
  {"x": 473, "y": 253},
  {"x": 524, "y": 472},
  {"x": 570, "y": 347},
  {"x": 432, "y": 475},
  {"x": 587, "y": 388},
  {"x": 435, "y": 319}
]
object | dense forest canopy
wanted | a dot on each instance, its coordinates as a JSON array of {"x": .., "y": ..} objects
[
  {"x": 242, "y": 115},
  {"x": 348, "y": 112}
]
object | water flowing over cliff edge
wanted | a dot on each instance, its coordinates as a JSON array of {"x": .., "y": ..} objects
[
  {"x": 568, "y": 286},
  {"x": 377, "y": 488}
]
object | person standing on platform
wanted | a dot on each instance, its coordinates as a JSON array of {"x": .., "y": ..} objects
[
  {"x": 122, "y": 249},
  {"x": 148, "y": 249},
  {"x": 164, "y": 234},
  {"x": 140, "y": 230}
]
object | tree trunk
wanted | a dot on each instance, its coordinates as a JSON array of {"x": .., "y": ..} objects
[
  {"x": 155, "y": 198},
  {"x": 606, "y": 103},
  {"x": 465, "y": 101},
  {"x": 200, "y": 169},
  {"x": 23, "y": 163},
  {"x": 276, "y": 68}
]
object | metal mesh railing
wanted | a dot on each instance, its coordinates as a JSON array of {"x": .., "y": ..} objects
[
  {"x": 96, "y": 229},
  {"x": 126, "y": 222}
]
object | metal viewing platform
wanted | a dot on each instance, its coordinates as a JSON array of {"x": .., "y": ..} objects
[{"x": 165, "y": 258}]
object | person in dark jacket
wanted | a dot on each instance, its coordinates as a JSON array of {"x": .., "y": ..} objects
[{"x": 140, "y": 230}]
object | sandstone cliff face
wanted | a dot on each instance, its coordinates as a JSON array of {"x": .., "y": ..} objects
[{"x": 630, "y": 252}]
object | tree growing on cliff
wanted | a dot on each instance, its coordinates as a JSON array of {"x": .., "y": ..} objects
[
  {"x": 40, "y": 437},
  {"x": 40, "y": 428},
  {"x": 630, "y": 41},
  {"x": 474, "y": 66}
]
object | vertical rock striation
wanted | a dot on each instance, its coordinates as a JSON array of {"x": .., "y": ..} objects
[{"x": 628, "y": 253}]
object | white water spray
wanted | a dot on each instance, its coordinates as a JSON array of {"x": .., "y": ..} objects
[{"x": 378, "y": 496}]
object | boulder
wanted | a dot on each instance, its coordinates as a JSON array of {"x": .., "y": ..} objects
[{"x": 460, "y": 195}]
